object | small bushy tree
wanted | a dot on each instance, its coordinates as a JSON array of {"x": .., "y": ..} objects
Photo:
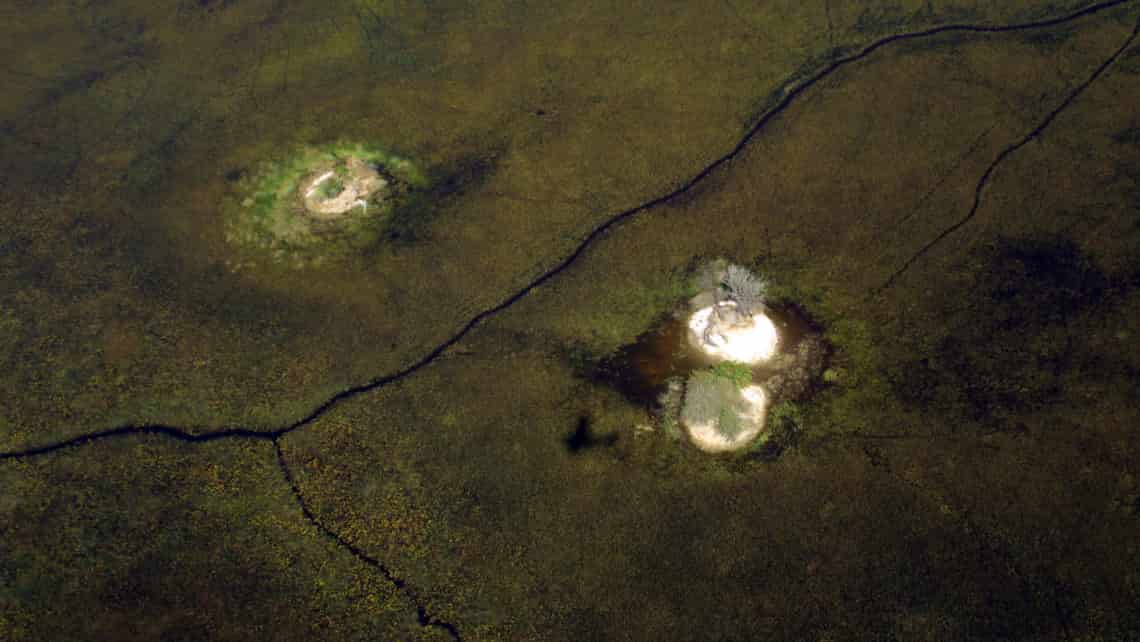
[
  {"x": 744, "y": 288},
  {"x": 715, "y": 399}
]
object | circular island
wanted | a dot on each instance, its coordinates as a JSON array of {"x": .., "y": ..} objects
[
  {"x": 723, "y": 411},
  {"x": 319, "y": 203},
  {"x": 726, "y": 371}
]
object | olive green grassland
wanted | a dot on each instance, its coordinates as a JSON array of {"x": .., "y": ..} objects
[
  {"x": 131, "y": 169},
  {"x": 967, "y": 472}
]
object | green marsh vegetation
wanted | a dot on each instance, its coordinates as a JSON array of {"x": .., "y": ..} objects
[
  {"x": 993, "y": 510},
  {"x": 738, "y": 373}
]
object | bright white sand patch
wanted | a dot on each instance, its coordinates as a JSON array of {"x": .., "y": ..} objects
[
  {"x": 317, "y": 183},
  {"x": 747, "y": 340},
  {"x": 705, "y": 435},
  {"x": 360, "y": 182}
]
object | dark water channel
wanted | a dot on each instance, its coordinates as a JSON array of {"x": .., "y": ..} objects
[{"x": 641, "y": 370}]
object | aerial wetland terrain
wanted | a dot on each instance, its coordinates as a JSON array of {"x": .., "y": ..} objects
[{"x": 505, "y": 320}]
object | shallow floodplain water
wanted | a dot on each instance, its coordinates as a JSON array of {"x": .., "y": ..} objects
[{"x": 642, "y": 369}]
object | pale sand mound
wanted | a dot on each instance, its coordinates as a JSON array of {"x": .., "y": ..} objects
[
  {"x": 709, "y": 436},
  {"x": 361, "y": 181},
  {"x": 720, "y": 331}
]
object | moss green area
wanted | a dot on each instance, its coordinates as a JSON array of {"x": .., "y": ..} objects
[{"x": 967, "y": 473}]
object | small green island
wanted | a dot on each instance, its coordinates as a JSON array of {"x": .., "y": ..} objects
[
  {"x": 320, "y": 202},
  {"x": 727, "y": 359}
]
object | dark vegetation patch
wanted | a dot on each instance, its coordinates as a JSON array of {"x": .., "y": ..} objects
[
  {"x": 1130, "y": 136},
  {"x": 200, "y": 10},
  {"x": 1129, "y": 61},
  {"x": 410, "y": 222},
  {"x": 1051, "y": 40},
  {"x": 785, "y": 424},
  {"x": 214, "y": 5},
  {"x": 146, "y": 173},
  {"x": 1005, "y": 343}
]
